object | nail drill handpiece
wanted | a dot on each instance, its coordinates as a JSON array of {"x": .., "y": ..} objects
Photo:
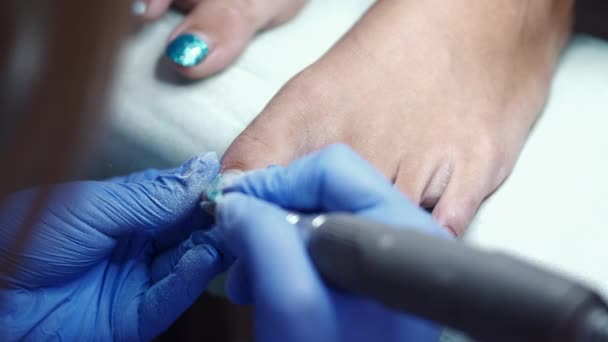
[{"x": 488, "y": 295}]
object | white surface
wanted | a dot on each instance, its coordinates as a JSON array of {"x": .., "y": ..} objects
[
  {"x": 552, "y": 209},
  {"x": 208, "y": 115}
]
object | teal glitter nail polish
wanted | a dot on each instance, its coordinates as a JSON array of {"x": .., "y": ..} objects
[
  {"x": 187, "y": 50},
  {"x": 214, "y": 191}
]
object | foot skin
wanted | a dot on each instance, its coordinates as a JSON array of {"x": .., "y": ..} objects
[
  {"x": 218, "y": 31},
  {"x": 440, "y": 96}
]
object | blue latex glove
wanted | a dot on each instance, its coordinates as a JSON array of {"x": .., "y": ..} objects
[
  {"x": 273, "y": 269},
  {"x": 115, "y": 260}
]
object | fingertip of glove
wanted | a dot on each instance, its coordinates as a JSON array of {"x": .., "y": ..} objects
[
  {"x": 208, "y": 163},
  {"x": 229, "y": 211},
  {"x": 211, "y": 157},
  {"x": 205, "y": 167}
]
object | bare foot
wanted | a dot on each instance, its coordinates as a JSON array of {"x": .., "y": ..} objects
[
  {"x": 440, "y": 96},
  {"x": 215, "y": 32}
]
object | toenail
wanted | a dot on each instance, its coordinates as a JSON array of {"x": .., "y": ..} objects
[{"x": 187, "y": 50}]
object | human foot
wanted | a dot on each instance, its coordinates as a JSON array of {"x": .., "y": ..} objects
[
  {"x": 440, "y": 96},
  {"x": 215, "y": 32}
]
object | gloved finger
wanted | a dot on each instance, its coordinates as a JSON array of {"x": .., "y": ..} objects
[
  {"x": 166, "y": 239},
  {"x": 237, "y": 284},
  {"x": 334, "y": 179},
  {"x": 153, "y": 205},
  {"x": 289, "y": 295},
  {"x": 216, "y": 32},
  {"x": 170, "y": 238},
  {"x": 148, "y": 174},
  {"x": 165, "y": 263},
  {"x": 166, "y": 300}
]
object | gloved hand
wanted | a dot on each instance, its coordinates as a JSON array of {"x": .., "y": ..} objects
[
  {"x": 114, "y": 260},
  {"x": 292, "y": 303}
]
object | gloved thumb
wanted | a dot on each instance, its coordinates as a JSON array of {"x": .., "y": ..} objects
[
  {"x": 189, "y": 269},
  {"x": 150, "y": 205}
]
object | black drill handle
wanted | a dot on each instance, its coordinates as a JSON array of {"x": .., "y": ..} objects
[{"x": 490, "y": 296}]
